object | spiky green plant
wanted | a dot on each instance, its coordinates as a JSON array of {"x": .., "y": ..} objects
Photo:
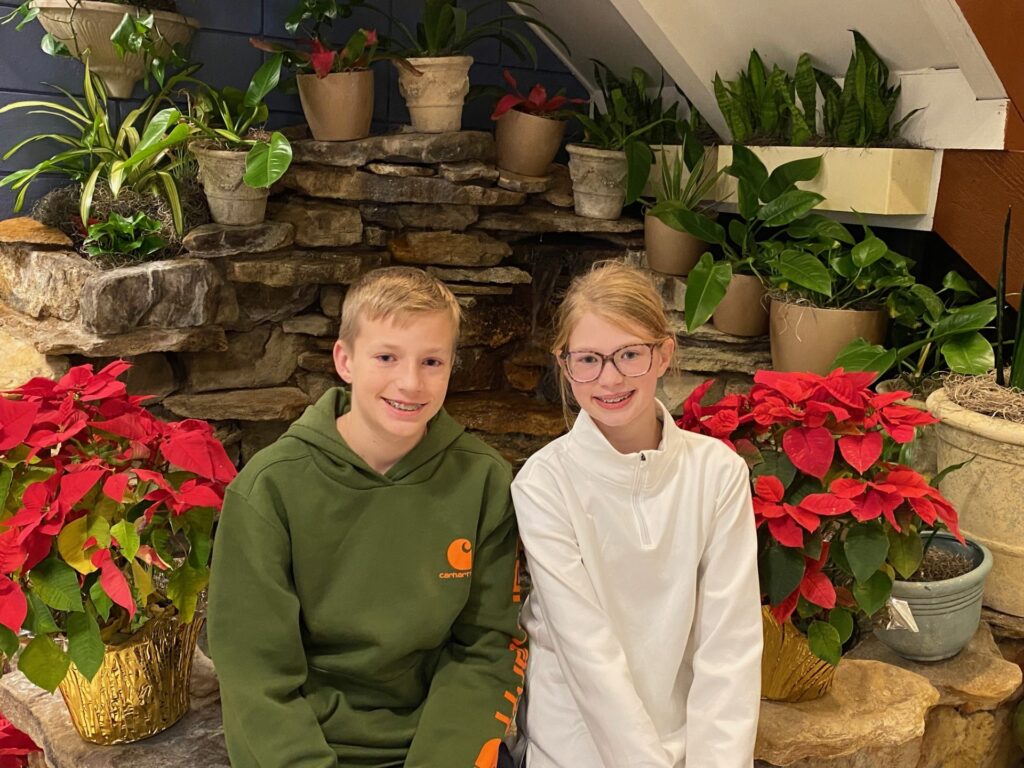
[{"x": 1016, "y": 379}]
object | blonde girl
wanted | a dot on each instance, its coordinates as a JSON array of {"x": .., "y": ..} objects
[{"x": 644, "y": 620}]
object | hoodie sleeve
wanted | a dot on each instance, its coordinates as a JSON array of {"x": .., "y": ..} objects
[
  {"x": 589, "y": 653},
  {"x": 724, "y": 700},
  {"x": 256, "y": 645},
  {"x": 480, "y": 673}
]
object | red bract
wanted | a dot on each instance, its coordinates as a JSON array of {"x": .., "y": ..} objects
[
  {"x": 536, "y": 103},
  {"x": 15, "y": 746}
]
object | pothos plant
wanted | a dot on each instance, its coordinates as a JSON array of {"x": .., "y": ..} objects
[
  {"x": 106, "y": 514},
  {"x": 838, "y": 517}
]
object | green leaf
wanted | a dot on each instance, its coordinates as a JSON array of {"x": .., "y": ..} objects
[
  {"x": 267, "y": 161},
  {"x": 816, "y": 225},
  {"x": 932, "y": 303},
  {"x": 127, "y": 538},
  {"x": 183, "y": 588},
  {"x": 866, "y": 547},
  {"x": 806, "y": 270},
  {"x": 788, "y": 207},
  {"x": 868, "y": 251},
  {"x": 872, "y": 594},
  {"x": 775, "y": 463},
  {"x": 973, "y": 317},
  {"x": 859, "y": 355},
  {"x": 782, "y": 570},
  {"x": 39, "y": 619},
  {"x": 100, "y": 601},
  {"x": 705, "y": 288},
  {"x": 969, "y": 353},
  {"x": 638, "y": 163},
  {"x": 43, "y": 663},
  {"x": 841, "y": 619},
  {"x": 6, "y": 478},
  {"x": 952, "y": 281},
  {"x": 823, "y": 640},
  {"x": 263, "y": 82},
  {"x": 680, "y": 218},
  {"x": 85, "y": 646},
  {"x": 8, "y": 642},
  {"x": 52, "y": 46},
  {"x": 56, "y": 584},
  {"x": 906, "y": 550},
  {"x": 785, "y": 177},
  {"x": 746, "y": 165}
]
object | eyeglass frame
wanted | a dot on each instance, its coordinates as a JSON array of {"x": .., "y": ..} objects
[{"x": 605, "y": 359}]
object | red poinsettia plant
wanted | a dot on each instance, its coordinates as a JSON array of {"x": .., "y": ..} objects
[
  {"x": 106, "y": 516},
  {"x": 839, "y": 518},
  {"x": 321, "y": 58},
  {"x": 15, "y": 746},
  {"x": 537, "y": 102}
]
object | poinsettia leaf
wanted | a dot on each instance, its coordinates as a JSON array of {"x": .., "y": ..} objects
[
  {"x": 842, "y": 620},
  {"x": 775, "y": 463},
  {"x": 198, "y": 452},
  {"x": 861, "y": 451},
  {"x": 906, "y": 550},
  {"x": 183, "y": 588},
  {"x": 13, "y": 605},
  {"x": 113, "y": 581},
  {"x": 85, "y": 646},
  {"x": 817, "y": 589},
  {"x": 56, "y": 584},
  {"x": 872, "y": 594},
  {"x": 16, "y": 420},
  {"x": 100, "y": 601},
  {"x": 782, "y": 570},
  {"x": 9, "y": 642},
  {"x": 39, "y": 620},
  {"x": 866, "y": 547},
  {"x": 811, "y": 449},
  {"x": 127, "y": 538},
  {"x": 823, "y": 640},
  {"x": 43, "y": 663}
]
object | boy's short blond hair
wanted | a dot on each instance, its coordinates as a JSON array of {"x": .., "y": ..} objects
[{"x": 399, "y": 293}]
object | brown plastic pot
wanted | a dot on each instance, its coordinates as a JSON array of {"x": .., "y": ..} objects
[
  {"x": 805, "y": 338},
  {"x": 527, "y": 144},
  {"x": 668, "y": 250},
  {"x": 338, "y": 107},
  {"x": 742, "y": 310}
]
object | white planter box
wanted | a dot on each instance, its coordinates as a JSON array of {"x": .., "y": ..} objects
[
  {"x": 876, "y": 180},
  {"x": 654, "y": 180}
]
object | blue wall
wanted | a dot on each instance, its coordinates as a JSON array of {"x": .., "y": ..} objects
[{"x": 222, "y": 45}]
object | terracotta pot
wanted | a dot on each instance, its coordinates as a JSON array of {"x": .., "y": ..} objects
[
  {"x": 87, "y": 25},
  {"x": 598, "y": 181},
  {"x": 805, "y": 338},
  {"x": 527, "y": 144},
  {"x": 435, "y": 97},
  {"x": 142, "y": 687},
  {"x": 230, "y": 199},
  {"x": 668, "y": 250},
  {"x": 338, "y": 107},
  {"x": 986, "y": 492},
  {"x": 742, "y": 310},
  {"x": 789, "y": 671}
]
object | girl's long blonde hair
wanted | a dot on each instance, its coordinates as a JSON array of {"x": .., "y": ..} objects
[{"x": 616, "y": 292}]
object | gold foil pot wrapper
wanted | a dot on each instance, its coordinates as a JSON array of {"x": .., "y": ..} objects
[
  {"x": 789, "y": 671},
  {"x": 141, "y": 689}
]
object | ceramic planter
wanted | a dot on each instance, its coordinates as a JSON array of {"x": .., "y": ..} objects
[
  {"x": 668, "y": 250},
  {"x": 947, "y": 612},
  {"x": 338, "y": 107},
  {"x": 142, "y": 687},
  {"x": 87, "y": 25},
  {"x": 527, "y": 144},
  {"x": 598, "y": 181},
  {"x": 230, "y": 199},
  {"x": 435, "y": 97},
  {"x": 864, "y": 180},
  {"x": 986, "y": 492},
  {"x": 742, "y": 311},
  {"x": 806, "y": 338},
  {"x": 789, "y": 671}
]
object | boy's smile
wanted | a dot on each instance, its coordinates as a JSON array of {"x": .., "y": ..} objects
[{"x": 399, "y": 374}]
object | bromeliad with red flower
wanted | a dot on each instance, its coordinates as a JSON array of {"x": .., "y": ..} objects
[
  {"x": 839, "y": 517},
  {"x": 106, "y": 514},
  {"x": 537, "y": 102}
]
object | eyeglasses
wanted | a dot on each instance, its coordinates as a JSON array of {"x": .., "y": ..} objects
[{"x": 631, "y": 360}]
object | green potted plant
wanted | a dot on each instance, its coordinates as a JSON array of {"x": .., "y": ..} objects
[
  {"x": 238, "y": 160},
  {"x": 106, "y": 514},
  {"x": 529, "y": 129},
  {"x": 435, "y": 84},
  {"x": 982, "y": 422},
  {"x": 124, "y": 41},
  {"x": 837, "y": 516}
]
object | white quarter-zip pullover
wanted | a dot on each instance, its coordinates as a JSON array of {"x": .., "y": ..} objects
[{"x": 644, "y": 619}]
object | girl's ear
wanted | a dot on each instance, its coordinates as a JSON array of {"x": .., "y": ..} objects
[
  {"x": 343, "y": 361},
  {"x": 665, "y": 350}
]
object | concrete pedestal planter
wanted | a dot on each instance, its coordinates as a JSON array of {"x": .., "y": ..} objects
[
  {"x": 435, "y": 96},
  {"x": 338, "y": 107},
  {"x": 230, "y": 199},
  {"x": 527, "y": 144},
  {"x": 598, "y": 181},
  {"x": 742, "y": 310},
  {"x": 668, "y": 250},
  {"x": 987, "y": 492},
  {"x": 87, "y": 25},
  {"x": 947, "y": 612},
  {"x": 878, "y": 180},
  {"x": 806, "y": 338}
]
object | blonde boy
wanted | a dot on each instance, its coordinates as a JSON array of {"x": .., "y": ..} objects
[{"x": 361, "y": 604}]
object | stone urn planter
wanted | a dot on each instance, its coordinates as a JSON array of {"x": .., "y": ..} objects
[
  {"x": 947, "y": 612},
  {"x": 806, "y": 338},
  {"x": 742, "y": 310},
  {"x": 789, "y": 671},
  {"x": 87, "y": 25},
  {"x": 142, "y": 687},
  {"x": 668, "y": 250},
  {"x": 598, "y": 181},
  {"x": 435, "y": 96},
  {"x": 527, "y": 144},
  {"x": 230, "y": 199},
  {"x": 986, "y": 492},
  {"x": 338, "y": 107}
]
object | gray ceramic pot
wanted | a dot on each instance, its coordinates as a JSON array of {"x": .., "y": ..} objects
[{"x": 947, "y": 612}]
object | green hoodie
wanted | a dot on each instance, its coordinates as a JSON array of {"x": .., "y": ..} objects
[{"x": 360, "y": 619}]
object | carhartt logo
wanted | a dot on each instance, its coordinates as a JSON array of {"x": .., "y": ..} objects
[{"x": 460, "y": 557}]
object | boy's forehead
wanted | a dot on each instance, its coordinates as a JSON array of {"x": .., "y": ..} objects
[{"x": 434, "y": 330}]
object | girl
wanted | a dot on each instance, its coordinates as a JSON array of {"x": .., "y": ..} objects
[{"x": 644, "y": 621}]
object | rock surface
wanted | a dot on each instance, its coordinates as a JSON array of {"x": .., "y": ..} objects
[
  {"x": 27, "y": 230},
  {"x": 474, "y": 249},
  {"x": 22, "y": 361},
  {"x": 504, "y": 413},
  {"x": 516, "y": 182},
  {"x": 404, "y": 147},
  {"x": 212, "y": 240},
  {"x": 1003, "y": 624},
  {"x": 539, "y": 219},
  {"x": 42, "y": 283},
  {"x": 978, "y": 740},
  {"x": 262, "y": 303},
  {"x": 454, "y": 217},
  {"x": 399, "y": 169},
  {"x": 311, "y": 325},
  {"x": 560, "y": 193},
  {"x": 321, "y": 224},
  {"x": 468, "y": 170},
  {"x": 262, "y": 357},
  {"x": 304, "y": 268},
  {"x": 271, "y": 404},
  {"x": 505, "y": 275}
]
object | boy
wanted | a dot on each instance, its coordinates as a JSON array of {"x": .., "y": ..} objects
[{"x": 361, "y": 603}]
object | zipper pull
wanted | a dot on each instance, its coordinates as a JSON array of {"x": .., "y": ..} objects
[{"x": 643, "y": 458}]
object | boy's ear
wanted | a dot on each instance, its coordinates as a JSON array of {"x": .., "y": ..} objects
[{"x": 342, "y": 361}]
